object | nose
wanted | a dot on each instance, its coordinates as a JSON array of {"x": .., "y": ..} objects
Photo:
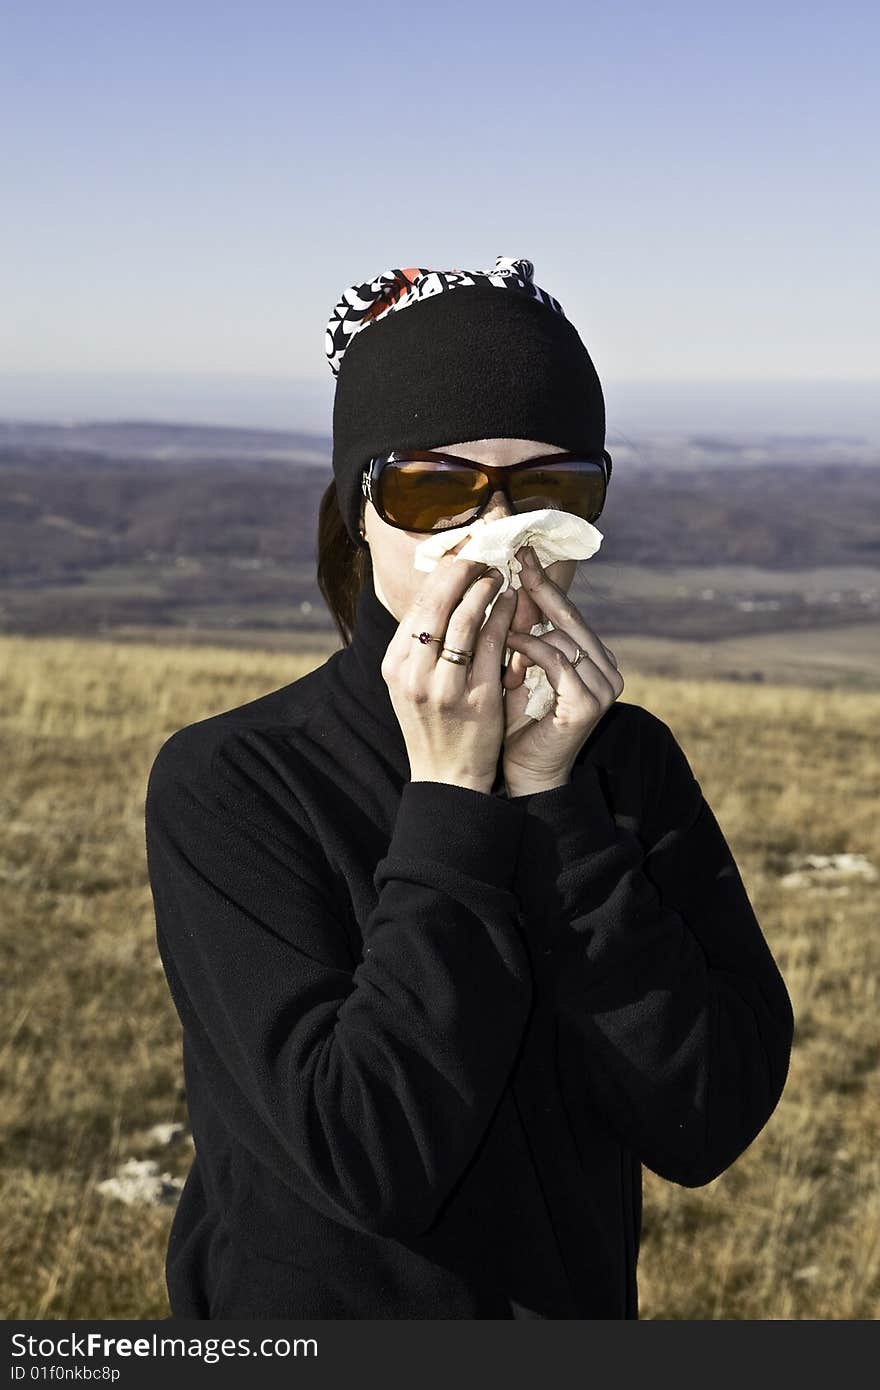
[
  {"x": 527, "y": 612},
  {"x": 498, "y": 506}
]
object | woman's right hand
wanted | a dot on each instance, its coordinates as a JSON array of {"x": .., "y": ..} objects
[{"x": 452, "y": 716}]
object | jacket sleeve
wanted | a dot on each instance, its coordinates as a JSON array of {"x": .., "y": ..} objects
[
  {"x": 367, "y": 1086},
  {"x": 654, "y": 959}
]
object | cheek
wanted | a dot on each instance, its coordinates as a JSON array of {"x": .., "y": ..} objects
[{"x": 393, "y": 558}]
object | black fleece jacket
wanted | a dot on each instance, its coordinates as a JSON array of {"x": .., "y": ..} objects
[{"x": 430, "y": 1035}]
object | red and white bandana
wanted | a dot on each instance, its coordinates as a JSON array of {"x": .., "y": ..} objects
[{"x": 397, "y": 289}]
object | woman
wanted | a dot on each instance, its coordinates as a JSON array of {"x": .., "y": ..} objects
[{"x": 447, "y": 975}]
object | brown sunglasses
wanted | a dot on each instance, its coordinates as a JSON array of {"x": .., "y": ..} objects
[{"x": 425, "y": 490}]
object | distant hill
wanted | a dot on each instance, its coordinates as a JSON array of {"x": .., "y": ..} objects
[
  {"x": 122, "y": 439},
  {"x": 109, "y": 525}
]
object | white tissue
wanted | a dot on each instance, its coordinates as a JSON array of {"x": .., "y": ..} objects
[
  {"x": 542, "y": 696},
  {"x": 552, "y": 534}
]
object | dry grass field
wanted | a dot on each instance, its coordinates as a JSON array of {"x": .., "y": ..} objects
[{"x": 91, "y": 1044}]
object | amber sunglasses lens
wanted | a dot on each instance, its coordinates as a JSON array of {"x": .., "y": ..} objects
[
  {"x": 419, "y": 495},
  {"x": 422, "y": 496},
  {"x": 573, "y": 485}
]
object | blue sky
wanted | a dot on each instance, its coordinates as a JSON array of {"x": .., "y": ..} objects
[{"x": 189, "y": 187}]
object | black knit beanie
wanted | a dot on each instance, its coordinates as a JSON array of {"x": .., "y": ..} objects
[{"x": 418, "y": 366}]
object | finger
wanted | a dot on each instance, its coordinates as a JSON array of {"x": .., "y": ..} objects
[
  {"x": 567, "y": 645},
  {"x": 556, "y": 605},
  {"x": 517, "y": 665},
  {"x": 574, "y": 653},
  {"x": 432, "y": 606},
  {"x": 491, "y": 640},
  {"x": 569, "y": 682},
  {"x": 468, "y": 622}
]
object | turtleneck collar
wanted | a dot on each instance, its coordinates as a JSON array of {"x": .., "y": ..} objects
[
  {"x": 359, "y": 671},
  {"x": 364, "y": 692},
  {"x": 374, "y": 627}
]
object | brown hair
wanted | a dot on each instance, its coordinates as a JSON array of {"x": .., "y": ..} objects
[{"x": 343, "y": 567}]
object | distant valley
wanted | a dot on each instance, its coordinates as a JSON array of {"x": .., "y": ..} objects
[{"x": 188, "y": 532}]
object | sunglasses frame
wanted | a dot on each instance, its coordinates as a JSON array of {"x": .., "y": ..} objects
[{"x": 495, "y": 472}]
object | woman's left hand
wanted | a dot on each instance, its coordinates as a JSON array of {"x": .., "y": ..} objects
[{"x": 540, "y": 753}]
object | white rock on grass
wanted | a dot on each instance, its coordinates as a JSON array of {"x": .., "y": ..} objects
[
  {"x": 812, "y": 870},
  {"x": 169, "y": 1132},
  {"x": 138, "y": 1182}
]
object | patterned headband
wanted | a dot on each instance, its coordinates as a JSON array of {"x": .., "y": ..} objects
[{"x": 363, "y": 304}]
